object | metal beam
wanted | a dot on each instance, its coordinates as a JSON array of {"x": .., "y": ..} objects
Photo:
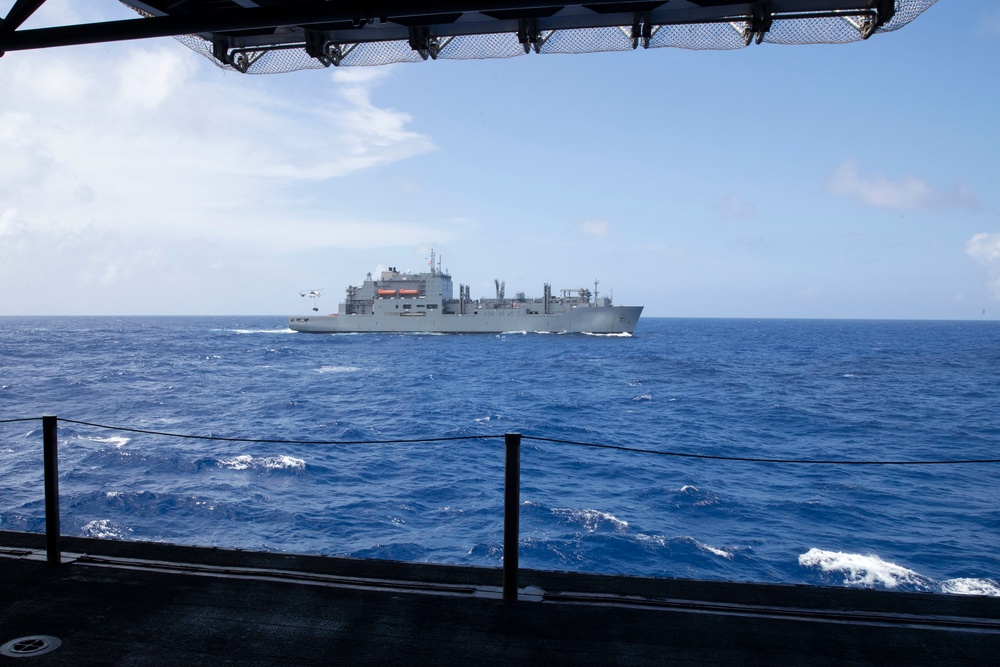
[
  {"x": 19, "y": 13},
  {"x": 241, "y": 18}
]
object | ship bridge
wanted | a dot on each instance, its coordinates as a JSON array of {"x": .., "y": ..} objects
[{"x": 274, "y": 36}]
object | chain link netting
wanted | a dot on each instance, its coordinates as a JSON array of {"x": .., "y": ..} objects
[
  {"x": 585, "y": 40},
  {"x": 840, "y": 30},
  {"x": 819, "y": 28},
  {"x": 479, "y": 47},
  {"x": 700, "y": 36}
]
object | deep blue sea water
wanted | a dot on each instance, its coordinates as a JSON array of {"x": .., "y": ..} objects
[{"x": 780, "y": 389}]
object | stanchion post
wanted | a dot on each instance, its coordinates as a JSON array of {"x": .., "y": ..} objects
[
  {"x": 511, "y": 513},
  {"x": 50, "y": 446}
]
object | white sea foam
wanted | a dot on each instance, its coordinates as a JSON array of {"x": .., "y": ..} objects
[
  {"x": 106, "y": 529},
  {"x": 117, "y": 441},
  {"x": 658, "y": 540},
  {"x": 282, "y": 462},
  {"x": 661, "y": 541},
  {"x": 643, "y": 397},
  {"x": 338, "y": 369},
  {"x": 722, "y": 553},
  {"x": 868, "y": 571},
  {"x": 263, "y": 331},
  {"x": 988, "y": 587},
  {"x": 701, "y": 546},
  {"x": 279, "y": 462},
  {"x": 591, "y": 520},
  {"x": 241, "y": 462},
  {"x": 487, "y": 419},
  {"x": 609, "y": 335}
]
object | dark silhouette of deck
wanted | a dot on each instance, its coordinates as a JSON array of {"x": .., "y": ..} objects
[{"x": 134, "y": 603}]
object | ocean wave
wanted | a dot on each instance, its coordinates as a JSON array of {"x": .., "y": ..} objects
[
  {"x": 266, "y": 463},
  {"x": 106, "y": 529},
  {"x": 338, "y": 369},
  {"x": 608, "y": 335},
  {"x": 692, "y": 496},
  {"x": 591, "y": 520},
  {"x": 117, "y": 441},
  {"x": 685, "y": 540},
  {"x": 260, "y": 331},
  {"x": 487, "y": 419},
  {"x": 871, "y": 571},
  {"x": 701, "y": 546},
  {"x": 865, "y": 571},
  {"x": 968, "y": 586}
]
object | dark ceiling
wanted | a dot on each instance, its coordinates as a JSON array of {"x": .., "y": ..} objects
[{"x": 319, "y": 33}]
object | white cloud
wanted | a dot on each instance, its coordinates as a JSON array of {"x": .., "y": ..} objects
[
  {"x": 598, "y": 229},
  {"x": 10, "y": 222},
  {"x": 908, "y": 193},
  {"x": 140, "y": 178},
  {"x": 153, "y": 138},
  {"x": 985, "y": 249},
  {"x": 151, "y": 76}
]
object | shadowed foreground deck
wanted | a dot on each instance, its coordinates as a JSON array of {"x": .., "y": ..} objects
[{"x": 129, "y": 603}]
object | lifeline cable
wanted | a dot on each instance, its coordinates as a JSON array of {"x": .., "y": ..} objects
[
  {"x": 636, "y": 450},
  {"x": 279, "y": 441},
  {"x": 748, "y": 459}
]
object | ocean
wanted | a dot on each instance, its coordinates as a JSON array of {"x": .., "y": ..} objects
[{"x": 679, "y": 390}]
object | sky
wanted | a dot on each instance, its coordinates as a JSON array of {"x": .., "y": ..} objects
[{"x": 843, "y": 181}]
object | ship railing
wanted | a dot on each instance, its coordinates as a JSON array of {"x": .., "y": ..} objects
[{"x": 512, "y": 476}]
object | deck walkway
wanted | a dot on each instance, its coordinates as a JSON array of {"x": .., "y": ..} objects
[{"x": 133, "y": 603}]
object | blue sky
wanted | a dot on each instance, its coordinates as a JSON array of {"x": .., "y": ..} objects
[{"x": 848, "y": 181}]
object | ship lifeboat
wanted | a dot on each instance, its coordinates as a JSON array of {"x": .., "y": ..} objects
[
  {"x": 409, "y": 292},
  {"x": 387, "y": 292}
]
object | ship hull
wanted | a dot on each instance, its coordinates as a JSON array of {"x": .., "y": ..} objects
[{"x": 582, "y": 319}]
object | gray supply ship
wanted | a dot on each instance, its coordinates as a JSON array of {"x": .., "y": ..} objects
[{"x": 425, "y": 302}]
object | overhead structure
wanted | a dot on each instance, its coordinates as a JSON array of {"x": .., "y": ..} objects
[{"x": 272, "y": 36}]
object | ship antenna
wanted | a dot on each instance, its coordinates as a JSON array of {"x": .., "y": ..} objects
[{"x": 595, "y": 290}]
